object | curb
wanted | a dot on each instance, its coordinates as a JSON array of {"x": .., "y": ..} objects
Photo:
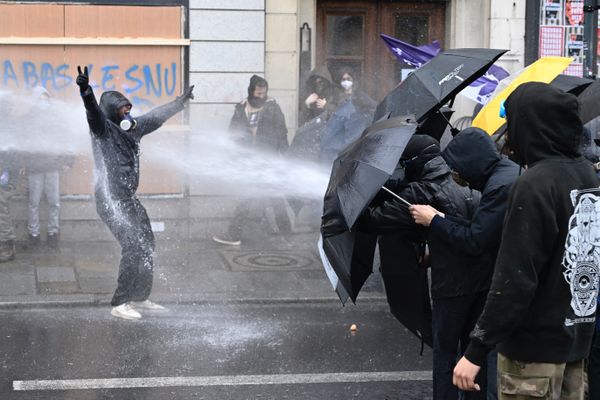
[{"x": 31, "y": 302}]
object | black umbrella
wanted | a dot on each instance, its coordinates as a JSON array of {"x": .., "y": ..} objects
[
  {"x": 589, "y": 101},
  {"x": 360, "y": 171},
  {"x": 435, "y": 124},
  {"x": 406, "y": 285},
  {"x": 586, "y": 90},
  {"x": 348, "y": 261},
  {"x": 571, "y": 84},
  {"x": 357, "y": 176},
  {"x": 436, "y": 82}
]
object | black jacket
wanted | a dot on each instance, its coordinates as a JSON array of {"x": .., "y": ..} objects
[
  {"x": 452, "y": 272},
  {"x": 473, "y": 154},
  {"x": 541, "y": 305},
  {"x": 271, "y": 132},
  {"x": 116, "y": 152}
]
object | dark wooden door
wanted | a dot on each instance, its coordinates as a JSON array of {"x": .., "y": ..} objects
[
  {"x": 348, "y": 35},
  {"x": 344, "y": 38}
]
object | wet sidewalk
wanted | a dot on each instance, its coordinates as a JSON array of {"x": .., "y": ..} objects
[{"x": 265, "y": 268}]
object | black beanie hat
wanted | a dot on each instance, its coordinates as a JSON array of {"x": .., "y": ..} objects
[
  {"x": 418, "y": 152},
  {"x": 255, "y": 81},
  {"x": 421, "y": 145}
]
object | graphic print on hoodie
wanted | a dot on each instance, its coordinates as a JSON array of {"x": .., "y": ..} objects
[{"x": 582, "y": 255}]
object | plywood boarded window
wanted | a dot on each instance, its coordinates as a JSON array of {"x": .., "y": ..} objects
[{"x": 136, "y": 50}]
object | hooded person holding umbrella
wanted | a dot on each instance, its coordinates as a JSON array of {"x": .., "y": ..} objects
[
  {"x": 457, "y": 279},
  {"x": 476, "y": 162},
  {"x": 116, "y": 139}
]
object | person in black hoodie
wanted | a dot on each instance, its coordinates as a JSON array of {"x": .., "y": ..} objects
[
  {"x": 322, "y": 95},
  {"x": 589, "y": 151},
  {"x": 457, "y": 279},
  {"x": 115, "y": 144},
  {"x": 475, "y": 159},
  {"x": 540, "y": 309}
]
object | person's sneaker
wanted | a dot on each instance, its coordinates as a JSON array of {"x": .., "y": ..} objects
[
  {"x": 146, "y": 305},
  {"x": 33, "y": 240},
  {"x": 7, "y": 250},
  {"x": 227, "y": 240},
  {"x": 53, "y": 240},
  {"x": 125, "y": 311}
]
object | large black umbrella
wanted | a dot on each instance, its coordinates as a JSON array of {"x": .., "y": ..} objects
[
  {"x": 357, "y": 175},
  {"x": 436, "y": 82}
]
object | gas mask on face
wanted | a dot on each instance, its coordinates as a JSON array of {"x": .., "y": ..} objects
[
  {"x": 128, "y": 123},
  {"x": 346, "y": 84}
]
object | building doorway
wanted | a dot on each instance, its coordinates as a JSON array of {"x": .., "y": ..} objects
[{"x": 348, "y": 35}]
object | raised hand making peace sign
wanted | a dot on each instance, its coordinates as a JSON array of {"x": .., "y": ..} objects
[{"x": 83, "y": 79}]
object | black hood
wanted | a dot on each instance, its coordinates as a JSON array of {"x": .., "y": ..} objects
[
  {"x": 323, "y": 73},
  {"x": 474, "y": 155},
  {"x": 110, "y": 102},
  {"x": 256, "y": 80},
  {"x": 543, "y": 122}
]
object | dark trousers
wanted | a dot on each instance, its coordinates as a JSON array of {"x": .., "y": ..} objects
[
  {"x": 594, "y": 366},
  {"x": 253, "y": 209},
  {"x": 129, "y": 223},
  {"x": 453, "y": 319}
]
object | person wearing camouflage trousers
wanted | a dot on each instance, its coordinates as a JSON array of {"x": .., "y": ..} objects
[{"x": 7, "y": 234}]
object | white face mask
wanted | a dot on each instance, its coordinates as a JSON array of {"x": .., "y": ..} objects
[{"x": 346, "y": 84}]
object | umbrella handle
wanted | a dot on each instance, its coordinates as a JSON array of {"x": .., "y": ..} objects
[
  {"x": 453, "y": 130},
  {"x": 396, "y": 196}
]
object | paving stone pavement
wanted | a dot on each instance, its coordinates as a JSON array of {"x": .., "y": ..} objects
[{"x": 263, "y": 268}]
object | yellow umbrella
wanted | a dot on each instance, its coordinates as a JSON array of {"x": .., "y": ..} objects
[{"x": 543, "y": 70}]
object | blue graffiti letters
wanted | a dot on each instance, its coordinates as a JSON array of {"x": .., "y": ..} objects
[
  {"x": 9, "y": 73},
  {"x": 155, "y": 79},
  {"x": 107, "y": 76},
  {"x": 130, "y": 77}
]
